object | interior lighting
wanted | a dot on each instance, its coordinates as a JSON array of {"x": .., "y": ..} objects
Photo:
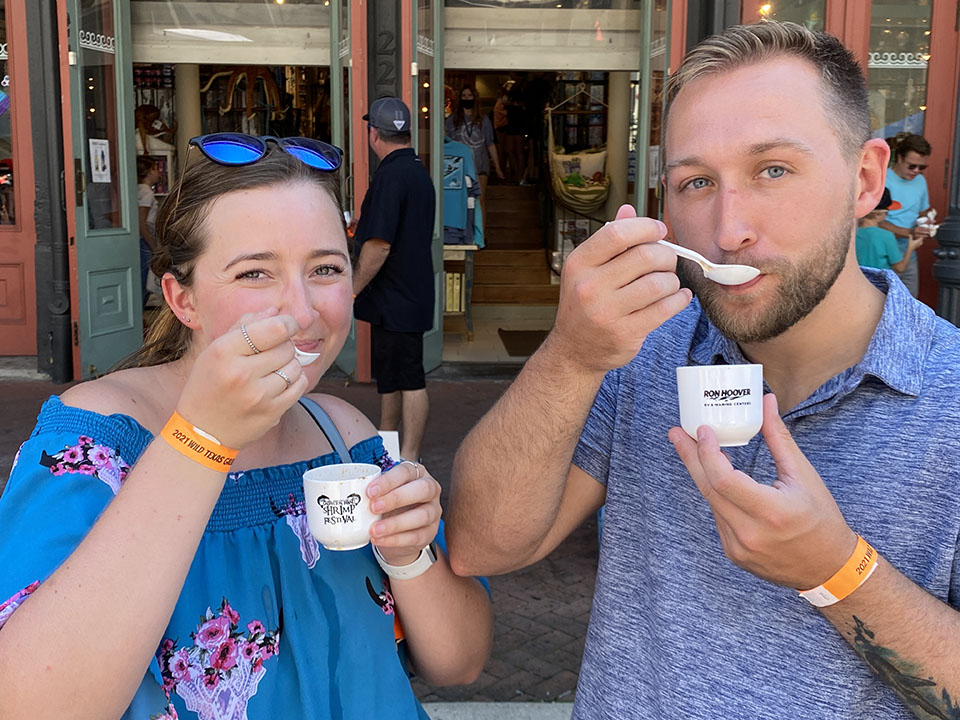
[
  {"x": 426, "y": 84},
  {"x": 766, "y": 9},
  {"x": 923, "y": 108},
  {"x": 424, "y": 109},
  {"x": 278, "y": 2}
]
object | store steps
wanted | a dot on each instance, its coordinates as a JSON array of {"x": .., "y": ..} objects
[{"x": 513, "y": 269}]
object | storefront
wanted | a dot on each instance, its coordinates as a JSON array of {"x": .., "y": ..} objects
[{"x": 143, "y": 76}]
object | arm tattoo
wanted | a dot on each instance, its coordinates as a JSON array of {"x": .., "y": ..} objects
[{"x": 918, "y": 693}]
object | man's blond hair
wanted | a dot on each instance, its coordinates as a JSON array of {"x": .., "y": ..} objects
[{"x": 844, "y": 89}]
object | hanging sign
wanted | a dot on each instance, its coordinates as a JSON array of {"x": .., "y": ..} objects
[{"x": 99, "y": 160}]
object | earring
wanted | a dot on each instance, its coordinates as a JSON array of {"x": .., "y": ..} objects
[{"x": 186, "y": 319}]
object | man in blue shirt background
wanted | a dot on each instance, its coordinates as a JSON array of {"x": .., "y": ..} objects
[{"x": 908, "y": 186}]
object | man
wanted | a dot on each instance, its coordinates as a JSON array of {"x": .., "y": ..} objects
[
  {"x": 768, "y": 161},
  {"x": 908, "y": 186},
  {"x": 393, "y": 277}
]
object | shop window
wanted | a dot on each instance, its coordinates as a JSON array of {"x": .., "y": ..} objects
[
  {"x": 897, "y": 66},
  {"x": 809, "y": 13}
]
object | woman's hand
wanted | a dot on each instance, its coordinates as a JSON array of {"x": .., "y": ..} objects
[
  {"x": 409, "y": 499},
  {"x": 236, "y": 393}
]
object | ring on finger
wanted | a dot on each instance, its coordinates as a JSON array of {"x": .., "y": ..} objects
[
  {"x": 253, "y": 347},
  {"x": 283, "y": 376},
  {"x": 418, "y": 466}
]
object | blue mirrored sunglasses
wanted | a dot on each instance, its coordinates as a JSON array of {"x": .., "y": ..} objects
[{"x": 243, "y": 149}]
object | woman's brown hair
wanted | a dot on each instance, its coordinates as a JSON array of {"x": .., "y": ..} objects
[{"x": 181, "y": 232}]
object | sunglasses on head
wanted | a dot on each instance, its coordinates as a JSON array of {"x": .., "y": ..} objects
[
  {"x": 241, "y": 149},
  {"x": 912, "y": 167}
]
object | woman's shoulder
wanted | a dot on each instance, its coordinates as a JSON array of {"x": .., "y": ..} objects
[
  {"x": 125, "y": 392},
  {"x": 353, "y": 425}
]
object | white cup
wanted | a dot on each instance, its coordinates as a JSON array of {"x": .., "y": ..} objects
[
  {"x": 727, "y": 398},
  {"x": 338, "y": 509}
]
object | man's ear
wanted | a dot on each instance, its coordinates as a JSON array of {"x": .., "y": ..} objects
[
  {"x": 180, "y": 300},
  {"x": 871, "y": 175}
]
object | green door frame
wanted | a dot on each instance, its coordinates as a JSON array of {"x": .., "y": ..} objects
[
  {"x": 108, "y": 321},
  {"x": 433, "y": 339}
]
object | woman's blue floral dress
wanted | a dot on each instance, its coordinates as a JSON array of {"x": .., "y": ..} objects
[{"x": 269, "y": 624}]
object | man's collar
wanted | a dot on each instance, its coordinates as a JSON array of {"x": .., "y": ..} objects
[
  {"x": 397, "y": 154},
  {"x": 895, "y": 354}
]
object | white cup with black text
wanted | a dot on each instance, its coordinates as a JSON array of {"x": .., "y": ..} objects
[
  {"x": 727, "y": 398},
  {"x": 338, "y": 509}
]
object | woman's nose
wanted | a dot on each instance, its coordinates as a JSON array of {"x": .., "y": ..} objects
[{"x": 297, "y": 303}]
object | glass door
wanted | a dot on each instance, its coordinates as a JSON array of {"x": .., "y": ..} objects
[
  {"x": 108, "y": 316},
  {"x": 340, "y": 89},
  {"x": 427, "y": 106}
]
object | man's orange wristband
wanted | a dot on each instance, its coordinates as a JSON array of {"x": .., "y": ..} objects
[
  {"x": 852, "y": 575},
  {"x": 197, "y": 445}
]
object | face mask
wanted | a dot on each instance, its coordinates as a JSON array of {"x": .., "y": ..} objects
[{"x": 466, "y": 104}]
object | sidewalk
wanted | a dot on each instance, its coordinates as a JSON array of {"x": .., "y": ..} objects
[{"x": 540, "y": 612}]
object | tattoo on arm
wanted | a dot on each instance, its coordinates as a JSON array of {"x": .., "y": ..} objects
[{"x": 918, "y": 693}]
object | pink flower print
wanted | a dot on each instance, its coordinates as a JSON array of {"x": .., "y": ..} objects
[
  {"x": 212, "y": 633},
  {"x": 180, "y": 666},
  {"x": 169, "y": 682},
  {"x": 268, "y": 650},
  {"x": 211, "y": 678},
  {"x": 257, "y": 664},
  {"x": 84, "y": 440},
  {"x": 58, "y": 469},
  {"x": 230, "y": 613},
  {"x": 86, "y": 469},
  {"x": 249, "y": 651},
  {"x": 72, "y": 455},
  {"x": 8, "y": 606},
  {"x": 167, "y": 645},
  {"x": 99, "y": 456},
  {"x": 225, "y": 656},
  {"x": 256, "y": 628}
]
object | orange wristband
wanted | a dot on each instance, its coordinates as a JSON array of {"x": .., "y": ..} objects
[
  {"x": 197, "y": 445},
  {"x": 852, "y": 575}
]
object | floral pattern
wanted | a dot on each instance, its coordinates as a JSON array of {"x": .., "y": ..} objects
[
  {"x": 7, "y": 608},
  {"x": 220, "y": 672},
  {"x": 295, "y": 513},
  {"x": 88, "y": 458}
]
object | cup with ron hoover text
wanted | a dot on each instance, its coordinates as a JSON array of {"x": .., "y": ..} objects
[
  {"x": 727, "y": 398},
  {"x": 338, "y": 509}
]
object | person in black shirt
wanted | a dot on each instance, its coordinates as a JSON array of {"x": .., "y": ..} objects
[{"x": 393, "y": 277}]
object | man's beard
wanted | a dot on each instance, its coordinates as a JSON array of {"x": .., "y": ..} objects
[{"x": 802, "y": 286}]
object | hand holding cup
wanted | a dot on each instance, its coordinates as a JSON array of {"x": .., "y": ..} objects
[{"x": 408, "y": 497}]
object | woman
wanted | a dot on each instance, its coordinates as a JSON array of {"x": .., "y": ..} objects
[
  {"x": 201, "y": 590},
  {"x": 467, "y": 126},
  {"x": 148, "y": 175}
]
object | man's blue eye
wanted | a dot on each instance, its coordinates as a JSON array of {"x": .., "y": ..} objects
[{"x": 776, "y": 171}]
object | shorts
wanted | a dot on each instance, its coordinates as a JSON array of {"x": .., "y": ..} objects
[{"x": 397, "y": 360}]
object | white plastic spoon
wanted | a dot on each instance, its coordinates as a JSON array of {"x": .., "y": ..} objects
[
  {"x": 305, "y": 358},
  {"x": 723, "y": 274}
]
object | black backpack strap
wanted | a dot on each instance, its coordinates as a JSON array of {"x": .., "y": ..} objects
[{"x": 327, "y": 427}]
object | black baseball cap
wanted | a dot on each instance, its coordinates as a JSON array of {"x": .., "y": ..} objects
[
  {"x": 887, "y": 202},
  {"x": 389, "y": 113}
]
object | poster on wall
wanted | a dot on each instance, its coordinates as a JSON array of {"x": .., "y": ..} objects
[{"x": 99, "y": 160}]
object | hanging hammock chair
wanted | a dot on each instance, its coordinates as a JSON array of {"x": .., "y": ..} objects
[{"x": 579, "y": 180}]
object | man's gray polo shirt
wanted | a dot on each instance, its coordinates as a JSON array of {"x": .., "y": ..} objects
[{"x": 677, "y": 630}]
